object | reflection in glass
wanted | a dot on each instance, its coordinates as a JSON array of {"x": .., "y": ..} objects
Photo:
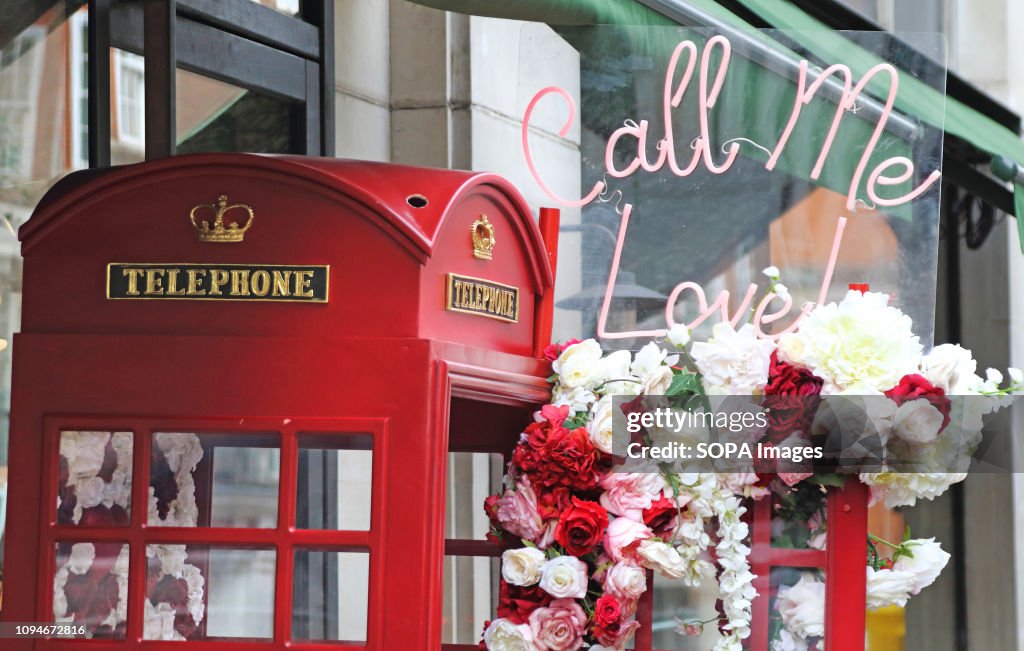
[
  {"x": 94, "y": 480},
  {"x": 196, "y": 592},
  {"x": 797, "y": 607},
  {"x": 90, "y": 587},
  {"x": 209, "y": 479},
  {"x": 331, "y": 595},
  {"x": 472, "y": 476},
  {"x": 213, "y": 115},
  {"x": 470, "y": 597},
  {"x": 335, "y": 481},
  {"x": 674, "y": 603},
  {"x": 799, "y": 516}
]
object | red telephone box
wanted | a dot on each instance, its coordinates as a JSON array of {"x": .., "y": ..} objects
[{"x": 321, "y": 332}]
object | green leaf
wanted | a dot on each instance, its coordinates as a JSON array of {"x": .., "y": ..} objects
[
  {"x": 828, "y": 479},
  {"x": 684, "y": 384}
]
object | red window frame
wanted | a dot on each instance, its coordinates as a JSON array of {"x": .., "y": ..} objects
[{"x": 284, "y": 538}]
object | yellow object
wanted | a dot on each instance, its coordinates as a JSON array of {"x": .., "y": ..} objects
[{"x": 886, "y": 628}]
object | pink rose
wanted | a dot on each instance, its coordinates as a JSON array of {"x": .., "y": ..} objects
[
  {"x": 559, "y": 627},
  {"x": 794, "y": 478},
  {"x": 625, "y": 581},
  {"x": 517, "y": 512},
  {"x": 629, "y": 493},
  {"x": 622, "y": 537},
  {"x": 623, "y": 637}
]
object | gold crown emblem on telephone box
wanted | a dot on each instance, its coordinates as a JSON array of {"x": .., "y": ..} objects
[{"x": 216, "y": 230}]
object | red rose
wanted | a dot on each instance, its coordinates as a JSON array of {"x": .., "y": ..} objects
[
  {"x": 555, "y": 350},
  {"x": 550, "y": 504},
  {"x": 661, "y": 516},
  {"x": 515, "y": 603},
  {"x": 581, "y": 527},
  {"x": 607, "y": 618},
  {"x": 914, "y": 387},
  {"x": 785, "y": 379},
  {"x": 791, "y": 397}
]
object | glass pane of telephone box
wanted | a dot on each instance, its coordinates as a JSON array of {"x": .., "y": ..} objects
[
  {"x": 470, "y": 597},
  {"x": 335, "y": 478},
  {"x": 330, "y": 597},
  {"x": 90, "y": 587},
  {"x": 675, "y": 607},
  {"x": 214, "y": 479},
  {"x": 797, "y": 608},
  {"x": 94, "y": 479},
  {"x": 472, "y": 476},
  {"x": 197, "y": 592}
]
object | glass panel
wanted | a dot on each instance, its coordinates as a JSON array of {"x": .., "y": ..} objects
[
  {"x": 472, "y": 476},
  {"x": 197, "y": 592},
  {"x": 335, "y": 481},
  {"x": 213, "y": 115},
  {"x": 90, "y": 587},
  {"x": 676, "y": 605},
  {"x": 127, "y": 107},
  {"x": 797, "y": 608},
  {"x": 799, "y": 515},
  {"x": 470, "y": 597},
  {"x": 288, "y": 7},
  {"x": 94, "y": 481},
  {"x": 42, "y": 133},
  {"x": 211, "y": 479},
  {"x": 331, "y": 595}
]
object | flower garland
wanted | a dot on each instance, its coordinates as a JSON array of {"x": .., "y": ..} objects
[
  {"x": 578, "y": 534},
  {"x": 91, "y": 582}
]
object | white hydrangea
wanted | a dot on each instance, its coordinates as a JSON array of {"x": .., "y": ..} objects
[{"x": 860, "y": 345}]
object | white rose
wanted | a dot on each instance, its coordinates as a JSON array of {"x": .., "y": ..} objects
[
  {"x": 802, "y": 607},
  {"x": 579, "y": 364},
  {"x": 60, "y": 600},
  {"x": 733, "y": 362},
  {"x": 195, "y": 582},
  {"x": 522, "y": 566},
  {"x": 905, "y": 488},
  {"x": 679, "y": 335},
  {"x": 503, "y": 635},
  {"x": 625, "y": 581},
  {"x": 951, "y": 368},
  {"x": 1016, "y": 375},
  {"x": 564, "y": 577},
  {"x": 89, "y": 492},
  {"x": 786, "y": 641},
  {"x": 90, "y": 449},
  {"x": 82, "y": 556},
  {"x": 578, "y": 399},
  {"x": 172, "y": 559},
  {"x": 888, "y": 588},
  {"x": 662, "y": 558},
  {"x": 917, "y": 421},
  {"x": 649, "y": 358},
  {"x": 772, "y": 272},
  {"x": 926, "y": 564},
  {"x": 158, "y": 622},
  {"x": 599, "y": 427},
  {"x": 658, "y": 381},
  {"x": 615, "y": 366}
]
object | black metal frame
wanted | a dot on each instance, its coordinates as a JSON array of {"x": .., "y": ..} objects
[{"x": 236, "y": 41}]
